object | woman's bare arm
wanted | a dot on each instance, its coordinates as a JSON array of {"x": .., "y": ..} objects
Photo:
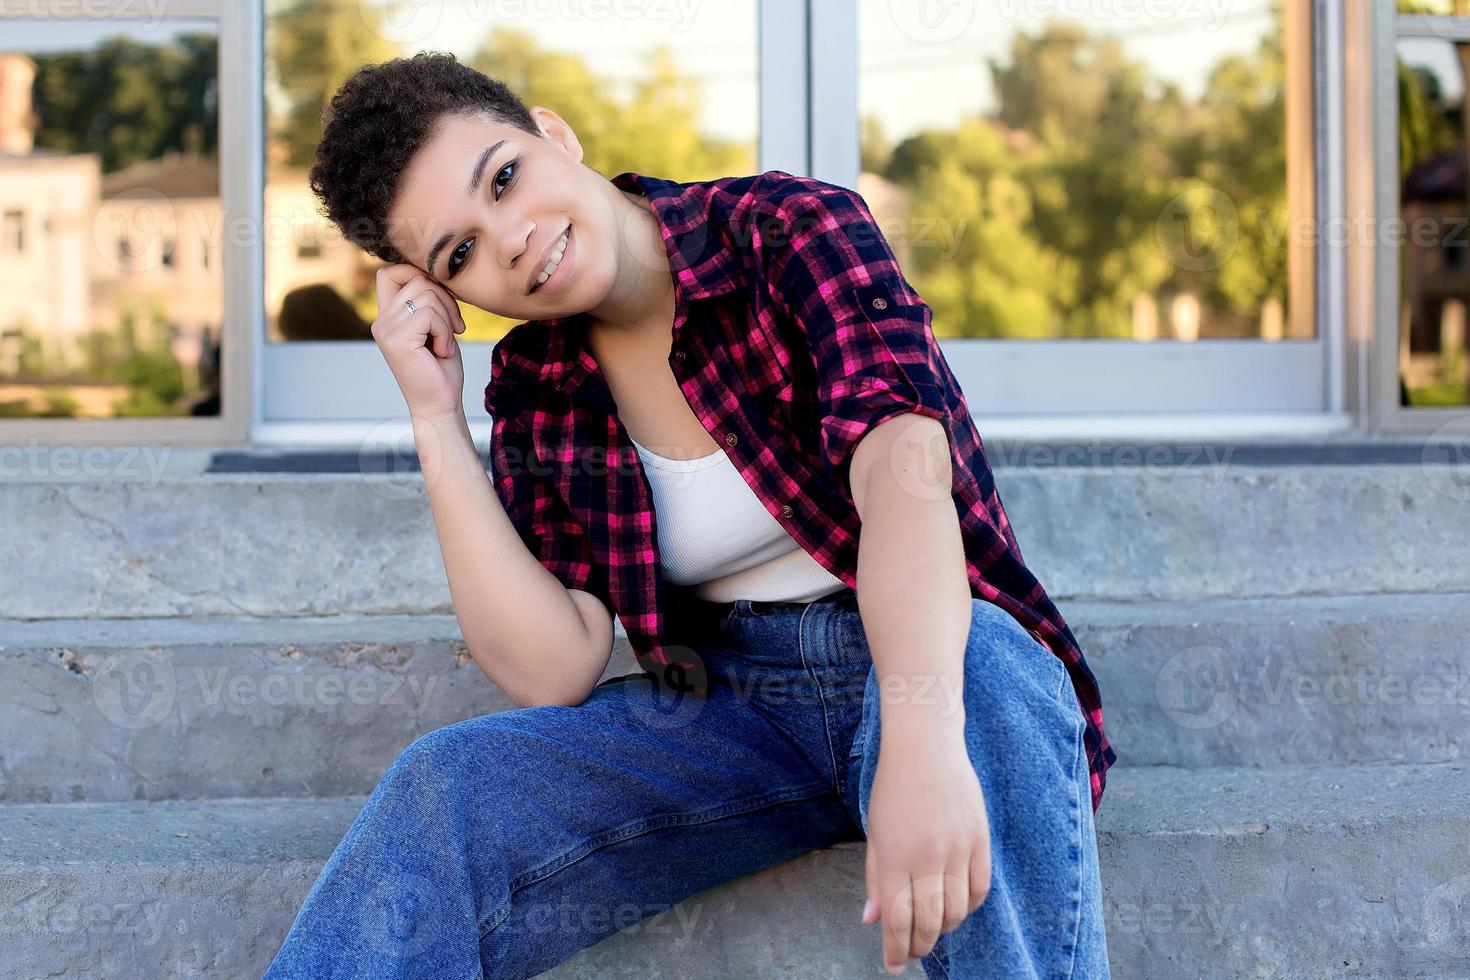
[{"x": 539, "y": 641}]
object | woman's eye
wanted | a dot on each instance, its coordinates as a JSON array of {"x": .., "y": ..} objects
[
  {"x": 503, "y": 169},
  {"x": 462, "y": 254}
]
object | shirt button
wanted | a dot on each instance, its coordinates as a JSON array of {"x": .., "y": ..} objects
[
  {"x": 880, "y": 303},
  {"x": 731, "y": 438},
  {"x": 786, "y": 510},
  {"x": 678, "y": 355}
]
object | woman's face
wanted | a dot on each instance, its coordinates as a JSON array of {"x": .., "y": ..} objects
[{"x": 485, "y": 225}]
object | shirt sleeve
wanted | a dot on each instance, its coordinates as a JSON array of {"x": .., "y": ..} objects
[
  {"x": 830, "y": 269},
  {"x": 541, "y": 517}
]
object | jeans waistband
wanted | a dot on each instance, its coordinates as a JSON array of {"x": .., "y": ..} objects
[{"x": 691, "y": 610}]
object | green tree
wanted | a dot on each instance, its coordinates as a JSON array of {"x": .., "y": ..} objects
[
  {"x": 312, "y": 46},
  {"x": 654, "y": 129},
  {"x": 129, "y": 102}
]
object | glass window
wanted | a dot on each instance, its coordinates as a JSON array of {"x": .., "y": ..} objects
[
  {"x": 667, "y": 91},
  {"x": 1434, "y": 273},
  {"x": 13, "y": 232},
  {"x": 108, "y": 149},
  {"x": 1055, "y": 171},
  {"x": 1440, "y": 8}
]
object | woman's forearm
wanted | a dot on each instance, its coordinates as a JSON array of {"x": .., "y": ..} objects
[{"x": 521, "y": 625}]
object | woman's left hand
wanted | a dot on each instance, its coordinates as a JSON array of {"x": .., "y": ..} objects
[{"x": 928, "y": 852}]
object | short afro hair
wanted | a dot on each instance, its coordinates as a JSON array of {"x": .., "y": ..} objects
[{"x": 380, "y": 117}]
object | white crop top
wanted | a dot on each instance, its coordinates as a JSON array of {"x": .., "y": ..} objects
[{"x": 715, "y": 534}]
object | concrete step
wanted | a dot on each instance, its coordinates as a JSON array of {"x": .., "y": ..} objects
[
  {"x": 1346, "y": 678},
  {"x": 113, "y": 710},
  {"x": 181, "y": 542},
  {"x": 1300, "y": 871},
  {"x": 145, "y": 709}
]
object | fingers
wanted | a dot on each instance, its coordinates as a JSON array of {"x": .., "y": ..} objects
[
  {"x": 917, "y": 910},
  {"x": 391, "y": 279},
  {"x": 928, "y": 896},
  {"x": 440, "y": 331},
  {"x": 896, "y": 890},
  {"x": 955, "y": 896},
  {"x": 870, "y": 884},
  {"x": 979, "y": 876},
  {"x": 396, "y": 283}
]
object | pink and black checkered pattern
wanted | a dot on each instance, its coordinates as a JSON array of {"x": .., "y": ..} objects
[{"x": 794, "y": 334}]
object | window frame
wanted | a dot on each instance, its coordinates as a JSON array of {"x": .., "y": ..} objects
[
  {"x": 293, "y": 407},
  {"x": 236, "y": 69},
  {"x": 1198, "y": 386},
  {"x": 1381, "y": 22},
  {"x": 808, "y": 124}
]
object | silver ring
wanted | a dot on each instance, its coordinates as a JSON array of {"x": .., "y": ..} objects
[{"x": 409, "y": 303}]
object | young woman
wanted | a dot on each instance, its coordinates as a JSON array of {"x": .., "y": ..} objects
[{"x": 725, "y": 422}]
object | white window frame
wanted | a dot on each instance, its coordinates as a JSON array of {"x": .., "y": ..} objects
[
  {"x": 808, "y": 124},
  {"x": 237, "y": 142},
  {"x": 1070, "y": 388},
  {"x": 1381, "y": 21},
  {"x": 341, "y": 393}
]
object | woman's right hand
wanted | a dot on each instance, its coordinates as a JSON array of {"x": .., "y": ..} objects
[{"x": 420, "y": 347}]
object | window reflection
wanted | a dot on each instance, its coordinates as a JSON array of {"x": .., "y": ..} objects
[
  {"x": 1090, "y": 171},
  {"x": 109, "y": 203},
  {"x": 668, "y": 90},
  {"x": 1434, "y": 273}
]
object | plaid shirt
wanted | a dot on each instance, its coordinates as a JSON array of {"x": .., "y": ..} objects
[{"x": 794, "y": 334}]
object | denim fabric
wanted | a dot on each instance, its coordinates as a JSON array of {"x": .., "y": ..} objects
[{"x": 501, "y": 845}]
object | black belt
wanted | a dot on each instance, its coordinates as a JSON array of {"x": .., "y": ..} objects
[{"x": 703, "y": 610}]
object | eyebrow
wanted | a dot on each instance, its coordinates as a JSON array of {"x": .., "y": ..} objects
[{"x": 477, "y": 175}]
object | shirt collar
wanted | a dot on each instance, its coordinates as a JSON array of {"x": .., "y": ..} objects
[{"x": 702, "y": 264}]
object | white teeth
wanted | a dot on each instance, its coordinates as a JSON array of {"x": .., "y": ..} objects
[{"x": 555, "y": 260}]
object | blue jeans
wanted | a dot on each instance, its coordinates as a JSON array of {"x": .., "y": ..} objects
[{"x": 501, "y": 845}]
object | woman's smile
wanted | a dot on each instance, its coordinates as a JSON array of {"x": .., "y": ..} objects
[{"x": 560, "y": 264}]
